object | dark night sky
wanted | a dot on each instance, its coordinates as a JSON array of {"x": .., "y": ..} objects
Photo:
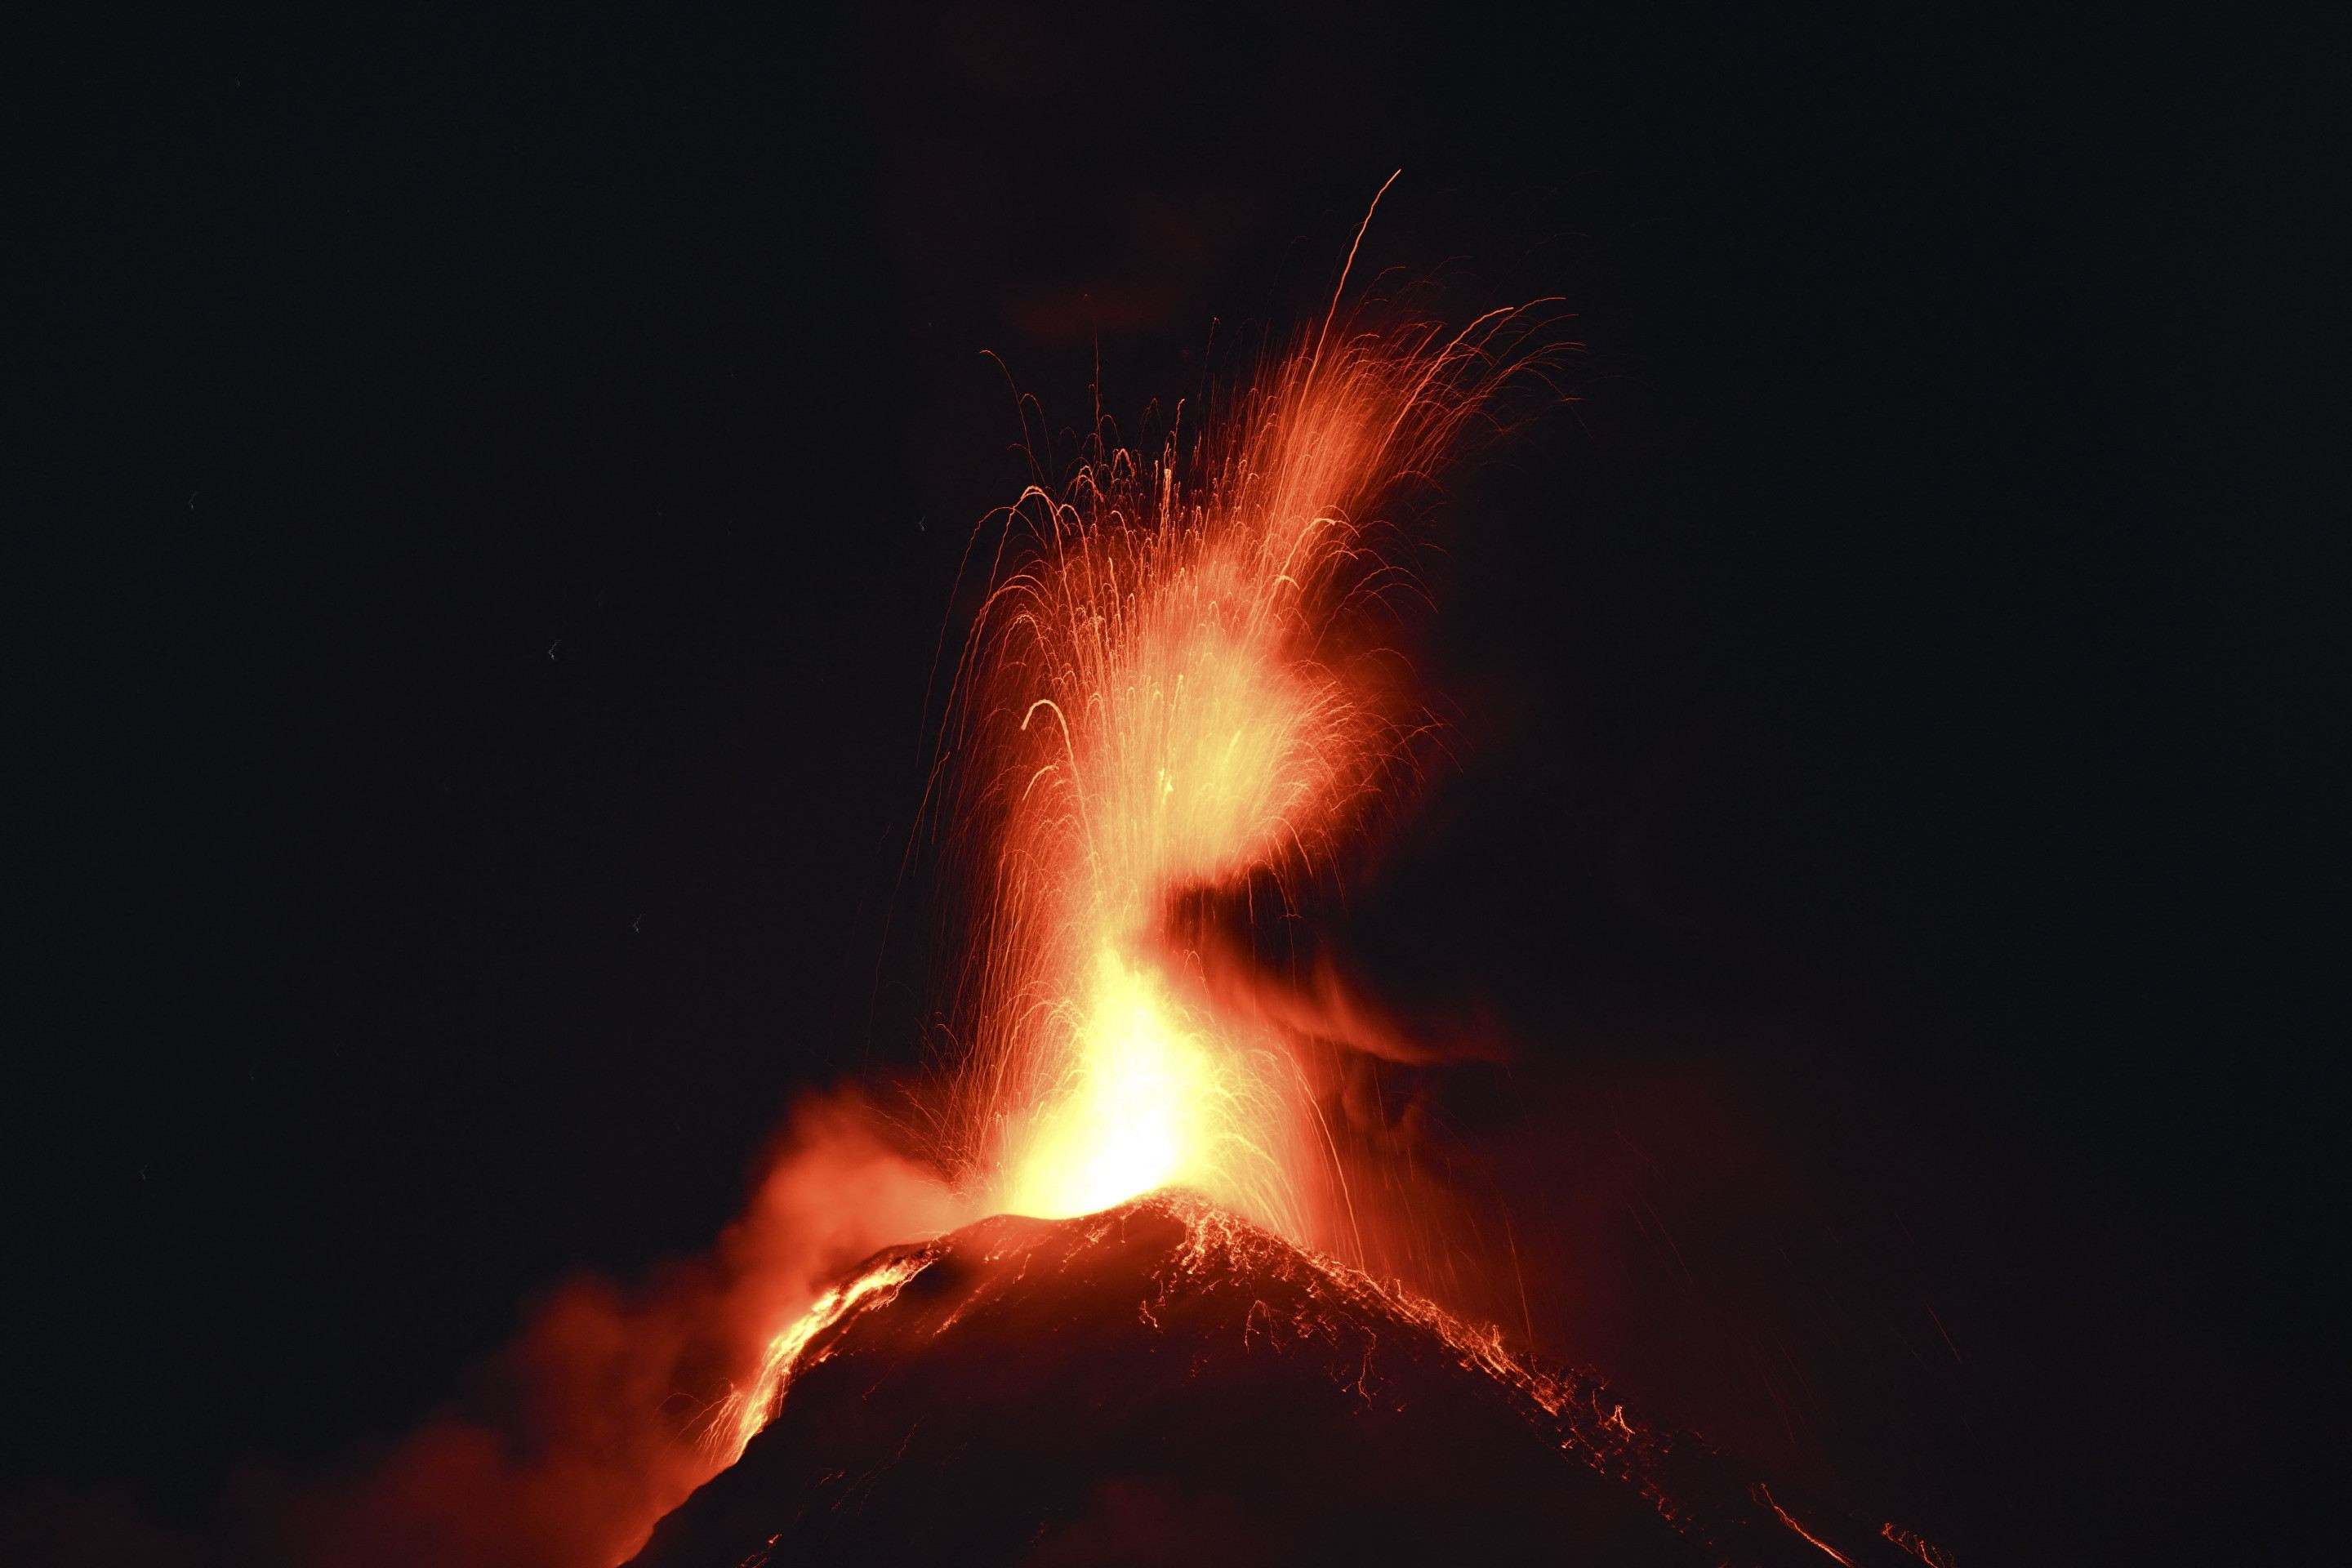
[{"x": 495, "y": 487}]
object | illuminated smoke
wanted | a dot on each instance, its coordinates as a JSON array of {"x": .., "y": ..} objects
[{"x": 587, "y": 1429}]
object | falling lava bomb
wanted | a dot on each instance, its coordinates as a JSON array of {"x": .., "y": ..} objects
[{"x": 1164, "y": 1383}]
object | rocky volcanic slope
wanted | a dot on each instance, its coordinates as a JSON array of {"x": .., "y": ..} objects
[{"x": 1165, "y": 1384}]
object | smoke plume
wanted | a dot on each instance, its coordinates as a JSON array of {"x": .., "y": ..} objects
[{"x": 594, "y": 1421}]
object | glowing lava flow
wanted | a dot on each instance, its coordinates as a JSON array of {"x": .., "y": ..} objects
[{"x": 744, "y": 1412}]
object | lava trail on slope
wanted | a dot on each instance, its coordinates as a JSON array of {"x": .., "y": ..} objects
[{"x": 1165, "y": 1381}]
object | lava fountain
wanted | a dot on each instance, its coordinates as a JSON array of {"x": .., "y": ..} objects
[{"x": 1176, "y": 684}]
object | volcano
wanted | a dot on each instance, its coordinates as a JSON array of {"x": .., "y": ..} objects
[
  {"x": 1164, "y": 1382},
  {"x": 1181, "y": 683}
]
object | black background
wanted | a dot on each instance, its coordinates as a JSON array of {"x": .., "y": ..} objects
[{"x": 495, "y": 488}]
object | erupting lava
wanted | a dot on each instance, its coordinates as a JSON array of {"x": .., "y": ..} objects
[
  {"x": 1144, "y": 1099},
  {"x": 1174, "y": 686}
]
